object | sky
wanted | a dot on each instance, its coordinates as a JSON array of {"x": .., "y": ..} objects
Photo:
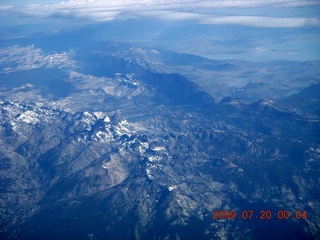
[{"x": 300, "y": 18}]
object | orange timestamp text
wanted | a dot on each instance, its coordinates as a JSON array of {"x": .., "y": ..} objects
[{"x": 262, "y": 214}]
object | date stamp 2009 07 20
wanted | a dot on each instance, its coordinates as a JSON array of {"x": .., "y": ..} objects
[{"x": 263, "y": 214}]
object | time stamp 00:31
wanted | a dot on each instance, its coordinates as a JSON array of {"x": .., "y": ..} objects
[{"x": 262, "y": 214}]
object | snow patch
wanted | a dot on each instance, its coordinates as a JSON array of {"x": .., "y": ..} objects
[
  {"x": 104, "y": 137},
  {"x": 29, "y": 117},
  {"x": 99, "y": 115},
  {"x": 149, "y": 174},
  {"x": 158, "y": 148},
  {"x": 143, "y": 147},
  {"x": 104, "y": 165},
  {"x": 122, "y": 129},
  {"x": 154, "y": 158},
  {"x": 171, "y": 188},
  {"x": 106, "y": 119}
]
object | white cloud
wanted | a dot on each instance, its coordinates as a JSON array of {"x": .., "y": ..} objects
[
  {"x": 17, "y": 58},
  {"x": 167, "y": 4},
  {"x": 172, "y": 10},
  {"x": 2, "y": 8},
  {"x": 267, "y": 22},
  {"x": 252, "y": 21},
  {"x": 171, "y": 15}
]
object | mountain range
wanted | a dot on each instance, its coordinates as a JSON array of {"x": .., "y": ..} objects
[{"x": 143, "y": 143}]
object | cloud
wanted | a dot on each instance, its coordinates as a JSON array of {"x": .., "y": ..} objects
[
  {"x": 194, "y": 3},
  {"x": 287, "y": 52},
  {"x": 172, "y": 10},
  {"x": 93, "y": 14},
  {"x": 167, "y": 4},
  {"x": 266, "y": 22},
  {"x": 3, "y": 8},
  {"x": 279, "y": 51},
  {"x": 171, "y": 15},
  {"x": 252, "y": 21},
  {"x": 17, "y": 58}
]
